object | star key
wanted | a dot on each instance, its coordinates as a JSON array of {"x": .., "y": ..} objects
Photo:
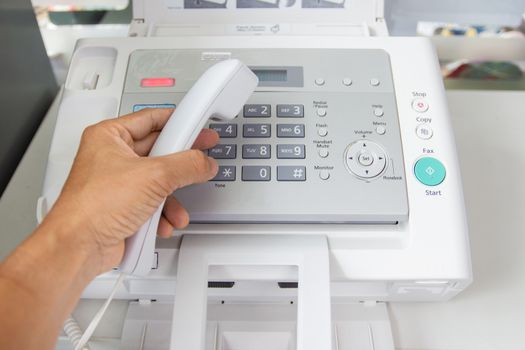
[{"x": 225, "y": 173}]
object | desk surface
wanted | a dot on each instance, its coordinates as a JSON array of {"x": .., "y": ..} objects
[{"x": 490, "y": 133}]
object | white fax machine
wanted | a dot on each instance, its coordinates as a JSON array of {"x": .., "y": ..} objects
[{"x": 338, "y": 189}]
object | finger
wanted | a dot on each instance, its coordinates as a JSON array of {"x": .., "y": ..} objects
[
  {"x": 143, "y": 147},
  {"x": 142, "y": 123},
  {"x": 165, "y": 229},
  {"x": 175, "y": 213},
  {"x": 184, "y": 168},
  {"x": 207, "y": 139}
]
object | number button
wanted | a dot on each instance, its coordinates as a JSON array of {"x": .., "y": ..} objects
[
  {"x": 290, "y": 111},
  {"x": 256, "y": 130},
  {"x": 223, "y": 152},
  {"x": 291, "y": 173},
  {"x": 225, "y": 130},
  {"x": 256, "y": 151},
  {"x": 290, "y": 151},
  {"x": 290, "y": 130},
  {"x": 256, "y": 173},
  {"x": 257, "y": 111},
  {"x": 225, "y": 173}
]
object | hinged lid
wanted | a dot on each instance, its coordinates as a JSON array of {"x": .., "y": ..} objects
[{"x": 258, "y": 17}]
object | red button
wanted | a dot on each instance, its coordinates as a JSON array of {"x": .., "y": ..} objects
[{"x": 157, "y": 82}]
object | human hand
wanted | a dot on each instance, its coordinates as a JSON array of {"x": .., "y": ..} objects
[{"x": 113, "y": 188}]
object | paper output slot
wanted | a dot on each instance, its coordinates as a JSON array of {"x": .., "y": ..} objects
[{"x": 220, "y": 284}]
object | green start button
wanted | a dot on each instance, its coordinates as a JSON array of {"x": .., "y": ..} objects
[{"x": 430, "y": 171}]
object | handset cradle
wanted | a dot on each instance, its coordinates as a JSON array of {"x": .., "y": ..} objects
[{"x": 219, "y": 93}]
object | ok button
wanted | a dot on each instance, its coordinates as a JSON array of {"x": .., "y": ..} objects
[{"x": 366, "y": 158}]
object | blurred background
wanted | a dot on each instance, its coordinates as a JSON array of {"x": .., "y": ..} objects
[{"x": 481, "y": 44}]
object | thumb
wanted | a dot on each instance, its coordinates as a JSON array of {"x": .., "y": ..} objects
[{"x": 186, "y": 168}]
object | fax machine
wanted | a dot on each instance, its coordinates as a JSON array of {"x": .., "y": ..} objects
[{"x": 339, "y": 186}]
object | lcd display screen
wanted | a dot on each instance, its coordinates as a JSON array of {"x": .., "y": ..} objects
[{"x": 271, "y": 75}]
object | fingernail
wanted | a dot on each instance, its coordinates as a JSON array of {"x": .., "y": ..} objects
[{"x": 214, "y": 166}]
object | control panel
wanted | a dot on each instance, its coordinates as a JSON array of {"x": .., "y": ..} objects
[{"x": 318, "y": 142}]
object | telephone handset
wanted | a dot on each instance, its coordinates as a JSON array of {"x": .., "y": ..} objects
[{"x": 219, "y": 93}]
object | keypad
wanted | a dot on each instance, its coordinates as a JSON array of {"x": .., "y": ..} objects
[
  {"x": 256, "y": 151},
  {"x": 223, "y": 152},
  {"x": 225, "y": 130},
  {"x": 290, "y": 130},
  {"x": 257, "y": 130}
]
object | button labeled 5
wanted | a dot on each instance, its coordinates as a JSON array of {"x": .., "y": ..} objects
[{"x": 256, "y": 130}]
